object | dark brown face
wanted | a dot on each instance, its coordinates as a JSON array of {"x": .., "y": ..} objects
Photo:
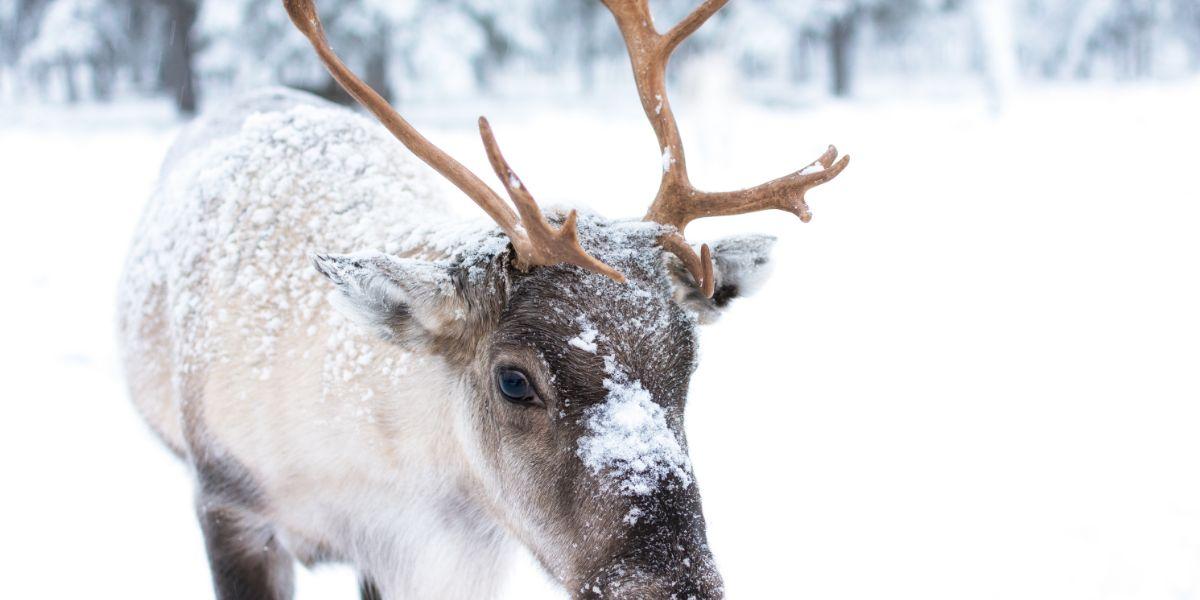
[
  {"x": 585, "y": 382},
  {"x": 574, "y": 389}
]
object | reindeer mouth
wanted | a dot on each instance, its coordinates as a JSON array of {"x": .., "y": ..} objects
[{"x": 628, "y": 579}]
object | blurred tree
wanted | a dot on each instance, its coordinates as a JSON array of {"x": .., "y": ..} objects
[
  {"x": 993, "y": 21},
  {"x": 75, "y": 40},
  {"x": 8, "y": 44},
  {"x": 178, "y": 72},
  {"x": 1188, "y": 21},
  {"x": 843, "y": 25},
  {"x": 1123, "y": 38},
  {"x": 577, "y": 37},
  {"x": 252, "y": 42},
  {"x": 439, "y": 48},
  {"x": 498, "y": 44}
]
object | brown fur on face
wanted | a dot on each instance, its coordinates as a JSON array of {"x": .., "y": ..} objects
[
  {"x": 576, "y": 522},
  {"x": 377, "y": 437},
  {"x": 588, "y": 346}
]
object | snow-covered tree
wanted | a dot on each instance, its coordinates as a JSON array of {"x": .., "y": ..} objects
[
  {"x": 415, "y": 49},
  {"x": 993, "y": 21},
  {"x": 252, "y": 42},
  {"x": 75, "y": 40},
  {"x": 9, "y": 47}
]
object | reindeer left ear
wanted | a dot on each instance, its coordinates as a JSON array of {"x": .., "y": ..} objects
[
  {"x": 399, "y": 299},
  {"x": 740, "y": 266}
]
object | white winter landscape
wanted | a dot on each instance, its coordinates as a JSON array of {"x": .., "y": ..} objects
[{"x": 975, "y": 373}]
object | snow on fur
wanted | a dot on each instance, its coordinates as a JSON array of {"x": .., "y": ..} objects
[
  {"x": 628, "y": 438},
  {"x": 586, "y": 340},
  {"x": 238, "y": 214}
]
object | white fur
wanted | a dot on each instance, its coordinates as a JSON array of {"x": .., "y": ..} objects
[
  {"x": 354, "y": 442},
  {"x": 358, "y": 447}
]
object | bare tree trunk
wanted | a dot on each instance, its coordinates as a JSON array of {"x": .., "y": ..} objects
[
  {"x": 138, "y": 17},
  {"x": 498, "y": 47},
  {"x": 1076, "y": 57},
  {"x": 1142, "y": 42},
  {"x": 103, "y": 74},
  {"x": 997, "y": 49},
  {"x": 68, "y": 71},
  {"x": 842, "y": 30},
  {"x": 589, "y": 46},
  {"x": 800, "y": 67},
  {"x": 376, "y": 73},
  {"x": 178, "y": 71}
]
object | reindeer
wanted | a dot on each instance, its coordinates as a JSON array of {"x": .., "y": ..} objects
[{"x": 466, "y": 388}]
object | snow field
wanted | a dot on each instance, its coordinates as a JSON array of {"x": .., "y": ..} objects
[{"x": 973, "y": 375}]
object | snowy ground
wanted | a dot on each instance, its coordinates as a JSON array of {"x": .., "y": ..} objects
[{"x": 976, "y": 374}]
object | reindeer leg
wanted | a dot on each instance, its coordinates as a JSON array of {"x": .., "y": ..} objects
[
  {"x": 367, "y": 589},
  {"x": 247, "y": 561}
]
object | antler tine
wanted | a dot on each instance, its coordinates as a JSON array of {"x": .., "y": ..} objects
[
  {"x": 538, "y": 241},
  {"x": 785, "y": 193},
  {"x": 678, "y": 202},
  {"x": 534, "y": 239},
  {"x": 700, "y": 266},
  {"x": 691, "y": 23}
]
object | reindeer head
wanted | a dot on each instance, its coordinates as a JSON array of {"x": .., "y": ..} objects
[{"x": 576, "y": 340}]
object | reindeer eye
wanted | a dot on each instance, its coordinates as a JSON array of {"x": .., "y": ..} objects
[{"x": 514, "y": 385}]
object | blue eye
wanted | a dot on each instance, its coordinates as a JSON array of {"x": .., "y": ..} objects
[{"x": 514, "y": 385}]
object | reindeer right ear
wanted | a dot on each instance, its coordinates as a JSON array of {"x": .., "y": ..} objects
[
  {"x": 399, "y": 299},
  {"x": 741, "y": 265}
]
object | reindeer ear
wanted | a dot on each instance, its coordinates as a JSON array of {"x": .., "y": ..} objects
[
  {"x": 740, "y": 265},
  {"x": 399, "y": 299}
]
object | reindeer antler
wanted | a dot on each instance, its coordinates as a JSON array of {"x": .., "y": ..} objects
[
  {"x": 535, "y": 241},
  {"x": 544, "y": 245},
  {"x": 679, "y": 202}
]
